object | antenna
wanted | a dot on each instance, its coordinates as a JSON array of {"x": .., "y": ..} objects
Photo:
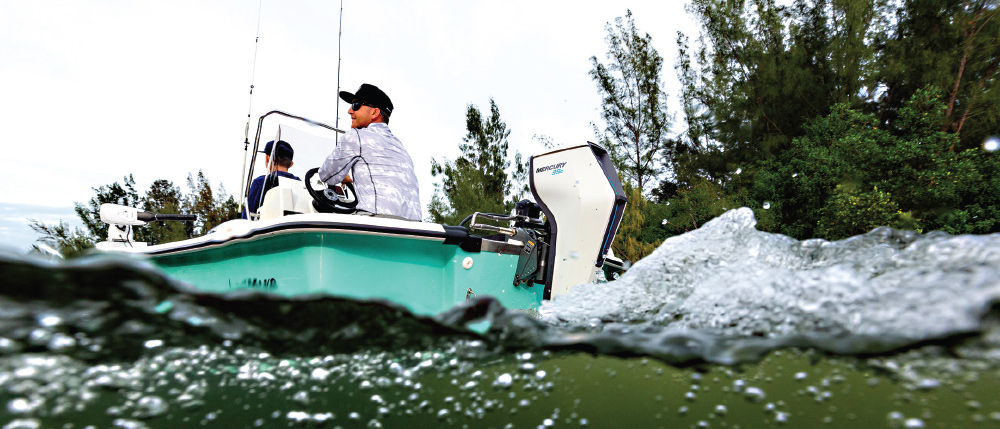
[
  {"x": 340, "y": 34},
  {"x": 246, "y": 129}
]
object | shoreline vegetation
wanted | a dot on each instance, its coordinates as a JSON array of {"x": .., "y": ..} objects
[{"x": 827, "y": 119}]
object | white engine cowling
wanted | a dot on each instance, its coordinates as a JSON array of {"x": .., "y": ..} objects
[{"x": 582, "y": 197}]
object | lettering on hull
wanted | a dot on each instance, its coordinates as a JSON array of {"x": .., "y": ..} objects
[{"x": 254, "y": 283}]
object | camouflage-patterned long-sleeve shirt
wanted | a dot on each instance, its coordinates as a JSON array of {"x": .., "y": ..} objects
[{"x": 381, "y": 168}]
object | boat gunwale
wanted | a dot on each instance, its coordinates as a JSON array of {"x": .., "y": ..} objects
[{"x": 333, "y": 223}]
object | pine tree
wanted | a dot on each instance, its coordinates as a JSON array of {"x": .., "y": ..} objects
[
  {"x": 633, "y": 106},
  {"x": 483, "y": 178},
  {"x": 164, "y": 198},
  {"x": 211, "y": 210}
]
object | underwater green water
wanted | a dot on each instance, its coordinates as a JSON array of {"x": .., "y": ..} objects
[
  {"x": 723, "y": 327},
  {"x": 219, "y": 388}
]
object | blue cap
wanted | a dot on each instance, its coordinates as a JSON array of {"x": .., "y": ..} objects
[{"x": 284, "y": 149}]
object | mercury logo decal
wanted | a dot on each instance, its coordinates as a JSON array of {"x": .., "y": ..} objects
[{"x": 556, "y": 168}]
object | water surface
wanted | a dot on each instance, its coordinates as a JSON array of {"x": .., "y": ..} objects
[{"x": 725, "y": 326}]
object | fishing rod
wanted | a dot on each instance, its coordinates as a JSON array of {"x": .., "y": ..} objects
[
  {"x": 336, "y": 98},
  {"x": 246, "y": 129}
]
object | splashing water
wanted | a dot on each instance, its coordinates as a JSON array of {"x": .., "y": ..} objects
[
  {"x": 730, "y": 279},
  {"x": 883, "y": 327}
]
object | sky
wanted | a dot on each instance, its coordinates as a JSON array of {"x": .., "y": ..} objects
[{"x": 92, "y": 91}]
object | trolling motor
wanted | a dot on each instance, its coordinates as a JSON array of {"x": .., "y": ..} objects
[{"x": 121, "y": 219}]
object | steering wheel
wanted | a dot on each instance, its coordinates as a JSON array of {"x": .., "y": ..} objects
[{"x": 327, "y": 200}]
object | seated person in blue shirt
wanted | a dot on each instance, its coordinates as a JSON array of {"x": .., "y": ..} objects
[{"x": 278, "y": 159}]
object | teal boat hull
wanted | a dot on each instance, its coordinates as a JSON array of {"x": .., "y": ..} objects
[{"x": 415, "y": 268}]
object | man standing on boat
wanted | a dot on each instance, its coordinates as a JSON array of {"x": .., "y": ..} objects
[
  {"x": 278, "y": 160},
  {"x": 373, "y": 159}
]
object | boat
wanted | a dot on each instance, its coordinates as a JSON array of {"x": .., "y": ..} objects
[{"x": 303, "y": 241}]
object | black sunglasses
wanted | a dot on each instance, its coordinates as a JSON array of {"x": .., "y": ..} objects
[{"x": 357, "y": 105}]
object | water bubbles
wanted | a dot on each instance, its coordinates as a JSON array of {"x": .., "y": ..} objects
[
  {"x": 128, "y": 424},
  {"x": 739, "y": 170},
  {"x": 319, "y": 374},
  {"x": 152, "y": 344},
  {"x": 148, "y": 407},
  {"x": 164, "y": 307},
  {"x": 721, "y": 410},
  {"x": 23, "y": 424},
  {"x": 61, "y": 342},
  {"x": 663, "y": 222},
  {"x": 800, "y": 376},
  {"x": 298, "y": 416},
  {"x": 504, "y": 381},
  {"x": 22, "y": 405},
  {"x": 8, "y": 346},
  {"x": 991, "y": 144},
  {"x": 48, "y": 320},
  {"x": 754, "y": 394},
  {"x": 574, "y": 255},
  {"x": 928, "y": 384},
  {"x": 767, "y": 205}
]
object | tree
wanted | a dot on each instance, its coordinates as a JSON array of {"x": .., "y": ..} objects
[
  {"x": 760, "y": 71},
  {"x": 953, "y": 45},
  {"x": 633, "y": 106},
  {"x": 848, "y": 174},
  {"x": 211, "y": 210},
  {"x": 122, "y": 194},
  {"x": 629, "y": 244},
  {"x": 482, "y": 178},
  {"x": 70, "y": 243},
  {"x": 162, "y": 197}
]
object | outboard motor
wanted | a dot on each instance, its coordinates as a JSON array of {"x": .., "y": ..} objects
[{"x": 582, "y": 197}]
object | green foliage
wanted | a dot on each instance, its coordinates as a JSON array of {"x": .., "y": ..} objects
[
  {"x": 759, "y": 71},
  {"x": 694, "y": 205},
  {"x": 849, "y": 212},
  {"x": 634, "y": 106},
  {"x": 813, "y": 106},
  {"x": 479, "y": 180},
  {"x": 162, "y": 197},
  {"x": 211, "y": 210},
  {"x": 953, "y": 45},
  {"x": 115, "y": 193},
  {"x": 630, "y": 243},
  {"x": 847, "y": 175},
  {"x": 70, "y": 243}
]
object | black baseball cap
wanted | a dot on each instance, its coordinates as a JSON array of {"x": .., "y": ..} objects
[
  {"x": 371, "y": 95},
  {"x": 283, "y": 150}
]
